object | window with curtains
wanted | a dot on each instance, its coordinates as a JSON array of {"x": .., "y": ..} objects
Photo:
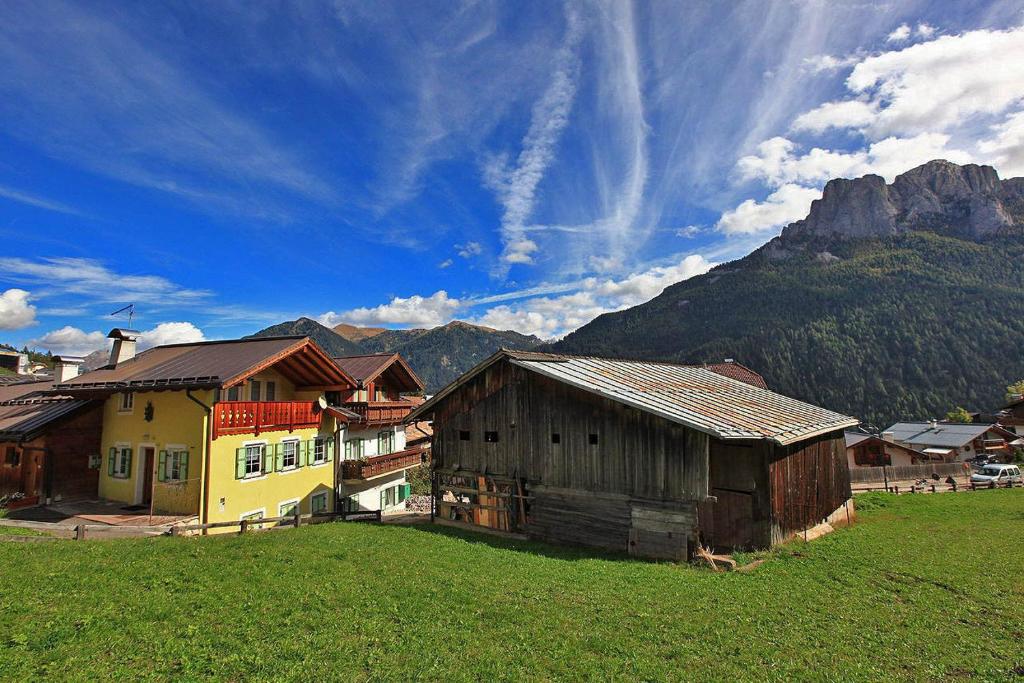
[
  {"x": 254, "y": 460},
  {"x": 386, "y": 442},
  {"x": 119, "y": 463},
  {"x": 320, "y": 451},
  {"x": 289, "y": 454},
  {"x": 354, "y": 449},
  {"x": 173, "y": 465}
]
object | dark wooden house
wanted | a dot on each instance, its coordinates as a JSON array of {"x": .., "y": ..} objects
[
  {"x": 649, "y": 458},
  {"x": 49, "y": 445}
]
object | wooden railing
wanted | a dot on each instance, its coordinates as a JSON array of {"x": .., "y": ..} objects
[
  {"x": 253, "y": 417},
  {"x": 380, "y": 412},
  {"x": 381, "y": 464}
]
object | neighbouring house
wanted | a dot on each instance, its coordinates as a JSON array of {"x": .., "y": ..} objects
[
  {"x": 375, "y": 453},
  {"x": 953, "y": 441},
  {"x": 869, "y": 450},
  {"x": 49, "y": 445},
  {"x": 1011, "y": 417},
  {"x": 223, "y": 430},
  {"x": 730, "y": 368},
  {"x": 649, "y": 458}
]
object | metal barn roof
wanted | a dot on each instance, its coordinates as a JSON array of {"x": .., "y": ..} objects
[
  {"x": 24, "y": 420},
  {"x": 942, "y": 434},
  {"x": 696, "y": 397}
]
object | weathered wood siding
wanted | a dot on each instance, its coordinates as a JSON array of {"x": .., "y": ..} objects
[
  {"x": 809, "y": 481},
  {"x": 739, "y": 517},
  {"x": 635, "y": 489}
]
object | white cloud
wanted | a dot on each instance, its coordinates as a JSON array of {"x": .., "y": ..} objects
[
  {"x": 445, "y": 264},
  {"x": 940, "y": 84},
  {"x": 1005, "y": 148},
  {"x": 91, "y": 279},
  {"x": 469, "y": 249},
  {"x": 38, "y": 202},
  {"x": 825, "y": 63},
  {"x": 777, "y": 163},
  {"x": 77, "y": 342},
  {"x": 436, "y": 309},
  {"x": 924, "y": 30},
  {"x": 843, "y": 114},
  {"x": 71, "y": 341},
  {"x": 549, "y": 317},
  {"x": 170, "y": 333},
  {"x": 788, "y": 203},
  {"x": 899, "y": 35},
  {"x": 516, "y": 187},
  {"x": 689, "y": 231},
  {"x": 15, "y": 310}
]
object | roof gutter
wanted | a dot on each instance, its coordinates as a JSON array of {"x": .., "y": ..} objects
[{"x": 204, "y": 493}]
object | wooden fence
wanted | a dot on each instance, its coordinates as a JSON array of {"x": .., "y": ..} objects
[
  {"x": 866, "y": 475},
  {"x": 83, "y": 532}
]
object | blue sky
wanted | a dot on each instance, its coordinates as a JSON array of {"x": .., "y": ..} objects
[{"x": 229, "y": 165}]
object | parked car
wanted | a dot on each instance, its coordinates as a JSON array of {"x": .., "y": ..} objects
[{"x": 1000, "y": 474}]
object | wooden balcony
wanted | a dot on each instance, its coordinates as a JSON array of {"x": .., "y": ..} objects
[
  {"x": 254, "y": 417},
  {"x": 381, "y": 464},
  {"x": 380, "y": 412}
]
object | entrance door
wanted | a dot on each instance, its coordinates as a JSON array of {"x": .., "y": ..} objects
[{"x": 147, "y": 482}]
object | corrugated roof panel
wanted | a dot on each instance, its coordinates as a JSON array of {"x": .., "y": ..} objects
[
  {"x": 694, "y": 396},
  {"x": 19, "y": 419}
]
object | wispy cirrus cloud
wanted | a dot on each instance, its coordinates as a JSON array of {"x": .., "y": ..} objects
[
  {"x": 38, "y": 202},
  {"x": 92, "y": 280}
]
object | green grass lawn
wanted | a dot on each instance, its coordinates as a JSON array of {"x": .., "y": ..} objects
[{"x": 924, "y": 587}]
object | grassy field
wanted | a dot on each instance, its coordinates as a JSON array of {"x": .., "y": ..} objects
[{"x": 913, "y": 591}]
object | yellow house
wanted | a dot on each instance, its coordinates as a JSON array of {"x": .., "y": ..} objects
[{"x": 224, "y": 430}]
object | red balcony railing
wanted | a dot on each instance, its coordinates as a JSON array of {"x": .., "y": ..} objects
[
  {"x": 381, "y": 412},
  {"x": 381, "y": 464},
  {"x": 253, "y": 417}
]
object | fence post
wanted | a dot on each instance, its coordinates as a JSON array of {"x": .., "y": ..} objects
[
  {"x": 298, "y": 517},
  {"x": 933, "y": 488},
  {"x": 243, "y": 527},
  {"x": 80, "y": 532}
]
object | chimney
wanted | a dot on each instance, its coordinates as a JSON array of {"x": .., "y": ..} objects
[
  {"x": 124, "y": 345},
  {"x": 65, "y": 368},
  {"x": 23, "y": 368},
  {"x": 730, "y": 360},
  {"x": 889, "y": 436}
]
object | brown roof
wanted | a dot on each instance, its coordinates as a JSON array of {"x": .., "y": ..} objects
[
  {"x": 23, "y": 389},
  {"x": 216, "y": 364},
  {"x": 27, "y": 419},
  {"x": 737, "y": 371},
  {"x": 692, "y": 396},
  {"x": 369, "y": 367}
]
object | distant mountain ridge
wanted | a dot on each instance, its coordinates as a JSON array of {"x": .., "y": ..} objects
[
  {"x": 889, "y": 301},
  {"x": 438, "y": 355}
]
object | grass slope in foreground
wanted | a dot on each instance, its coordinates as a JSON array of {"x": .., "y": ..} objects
[{"x": 923, "y": 587}]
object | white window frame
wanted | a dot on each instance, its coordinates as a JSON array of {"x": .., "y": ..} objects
[
  {"x": 174, "y": 451},
  {"x": 319, "y": 448},
  {"x": 262, "y": 512},
  {"x": 120, "y": 447},
  {"x": 294, "y": 501},
  {"x": 262, "y": 474},
  {"x": 126, "y": 406},
  {"x": 294, "y": 441},
  {"x": 362, "y": 448},
  {"x": 327, "y": 502}
]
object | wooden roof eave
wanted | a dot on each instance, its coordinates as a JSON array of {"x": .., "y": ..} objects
[{"x": 323, "y": 363}]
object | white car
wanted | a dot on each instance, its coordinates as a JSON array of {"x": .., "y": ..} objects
[{"x": 1000, "y": 474}]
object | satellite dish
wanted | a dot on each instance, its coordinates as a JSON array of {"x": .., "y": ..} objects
[{"x": 322, "y": 403}]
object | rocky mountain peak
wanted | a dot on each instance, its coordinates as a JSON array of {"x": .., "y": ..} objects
[{"x": 941, "y": 196}]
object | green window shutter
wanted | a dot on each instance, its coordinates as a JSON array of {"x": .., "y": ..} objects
[
  {"x": 404, "y": 490},
  {"x": 183, "y": 464},
  {"x": 383, "y": 498},
  {"x": 329, "y": 449},
  {"x": 348, "y": 450},
  {"x": 240, "y": 463},
  {"x": 128, "y": 464},
  {"x": 305, "y": 448},
  {"x": 268, "y": 459},
  {"x": 161, "y": 469},
  {"x": 279, "y": 452},
  {"x": 110, "y": 462}
]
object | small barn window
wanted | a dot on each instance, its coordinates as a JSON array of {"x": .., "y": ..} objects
[
  {"x": 13, "y": 456},
  {"x": 592, "y": 439},
  {"x": 491, "y": 437},
  {"x": 556, "y": 437},
  {"x": 463, "y": 435}
]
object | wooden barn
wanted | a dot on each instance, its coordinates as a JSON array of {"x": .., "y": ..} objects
[{"x": 644, "y": 457}]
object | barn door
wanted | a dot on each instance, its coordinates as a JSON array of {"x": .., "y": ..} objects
[{"x": 729, "y": 520}]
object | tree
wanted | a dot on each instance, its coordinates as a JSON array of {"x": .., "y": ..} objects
[
  {"x": 1015, "y": 390},
  {"x": 959, "y": 414}
]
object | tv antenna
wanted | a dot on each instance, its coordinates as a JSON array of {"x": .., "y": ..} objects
[{"x": 129, "y": 309}]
